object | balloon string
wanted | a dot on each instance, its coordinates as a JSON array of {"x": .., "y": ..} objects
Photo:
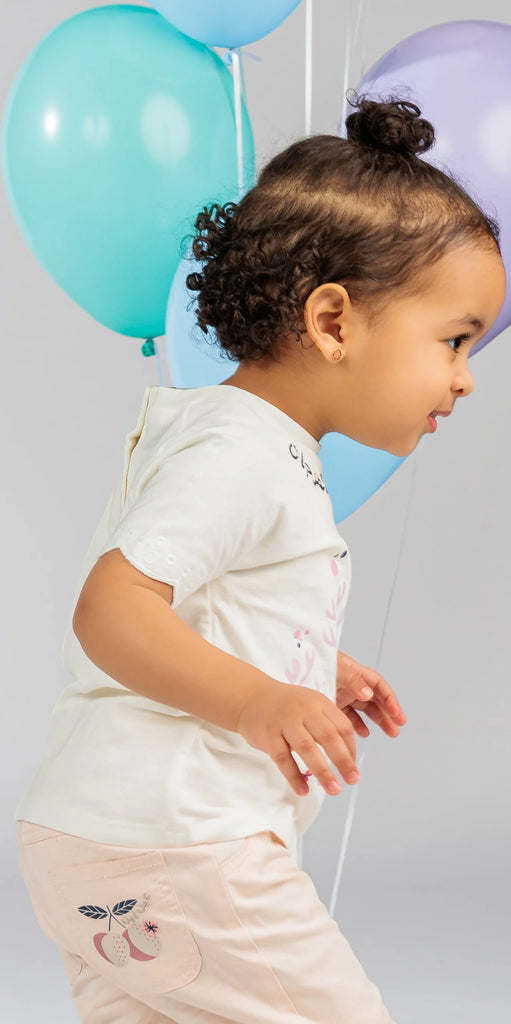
[
  {"x": 354, "y": 789},
  {"x": 345, "y": 839},
  {"x": 237, "y": 114},
  {"x": 150, "y": 348},
  {"x": 351, "y": 53},
  {"x": 242, "y": 74},
  {"x": 364, "y": 10},
  {"x": 308, "y": 67},
  {"x": 347, "y": 53}
]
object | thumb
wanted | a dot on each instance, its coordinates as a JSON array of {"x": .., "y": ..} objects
[
  {"x": 355, "y": 679},
  {"x": 361, "y": 688}
]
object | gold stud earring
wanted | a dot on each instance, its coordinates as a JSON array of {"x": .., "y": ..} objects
[{"x": 337, "y": 355}]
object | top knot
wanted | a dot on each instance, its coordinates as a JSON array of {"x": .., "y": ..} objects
[{"x": 392, "y": 126}]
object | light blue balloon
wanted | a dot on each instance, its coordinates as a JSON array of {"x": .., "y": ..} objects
[
  {"x": 226, "y": 22},
  {"x": 117, "y": 130},
  {"x": 352, "y": 471},
  {"x": 193, "y": 359}
]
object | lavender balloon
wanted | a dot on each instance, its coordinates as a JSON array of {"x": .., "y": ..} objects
[{"x": 459, "y": 74}]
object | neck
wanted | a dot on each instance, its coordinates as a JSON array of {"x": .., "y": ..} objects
[{"x": 290, "y": 387}]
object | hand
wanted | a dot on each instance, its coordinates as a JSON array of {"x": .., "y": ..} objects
[
  {"x": 382, "y": 706},
  {"x": 280, "y": 717}
]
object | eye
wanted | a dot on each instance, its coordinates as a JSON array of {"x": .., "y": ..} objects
[{"x": 458, "y": 340}]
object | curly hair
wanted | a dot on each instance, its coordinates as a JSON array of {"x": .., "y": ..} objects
[{"x": 365, "y": 212}]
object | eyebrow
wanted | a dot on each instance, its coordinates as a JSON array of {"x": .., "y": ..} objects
[{"x": 469, "y": 319}]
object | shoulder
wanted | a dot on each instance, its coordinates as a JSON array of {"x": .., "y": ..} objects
[{"x": 211, "y": 419}]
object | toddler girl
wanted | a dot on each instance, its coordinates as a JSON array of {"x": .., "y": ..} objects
[{"x": 158, "y": 838}]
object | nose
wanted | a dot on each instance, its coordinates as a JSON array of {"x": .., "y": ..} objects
[{"x": 464, "y": 383}]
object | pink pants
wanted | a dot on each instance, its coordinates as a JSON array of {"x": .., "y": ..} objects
[{"x": 215, "y": 933}]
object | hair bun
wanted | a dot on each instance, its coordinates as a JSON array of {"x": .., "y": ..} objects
[{"x": 391, "y": 125}]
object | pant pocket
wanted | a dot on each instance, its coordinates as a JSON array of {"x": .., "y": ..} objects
[
  {"x": 233, "y": 854},
  {"x": 229, "y": 852},
  {"x": 124, "y": 918}
]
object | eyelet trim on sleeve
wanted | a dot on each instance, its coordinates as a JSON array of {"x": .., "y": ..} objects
[{"x": 151, "y": 556}]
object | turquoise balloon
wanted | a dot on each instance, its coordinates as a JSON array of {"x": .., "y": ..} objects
[
  {"x": 117, "y": 129},
  {"x": 352, "y": 472}
]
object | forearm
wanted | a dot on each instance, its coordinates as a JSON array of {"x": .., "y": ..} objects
[{"x": 134, "y": 636}]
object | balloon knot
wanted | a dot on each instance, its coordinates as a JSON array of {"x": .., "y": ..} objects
[
  {"x": 227, "y": 56},
  {"x": 147, "y": 348}
]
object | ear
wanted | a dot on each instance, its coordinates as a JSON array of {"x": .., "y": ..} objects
[{"x": 328, "y": 314}]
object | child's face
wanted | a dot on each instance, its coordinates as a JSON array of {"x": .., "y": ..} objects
[{"x": 396, "y": 372}]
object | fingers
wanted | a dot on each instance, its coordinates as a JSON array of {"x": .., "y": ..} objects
[
  {"x": 387, "y": 699},
  {"x": 377, "y": 714},
  {"x": 334, "y": 733},
  {"x": 286, "y": 763},
  {"x": 360, "y": 677},
  {"x": 357, "y": 722}
]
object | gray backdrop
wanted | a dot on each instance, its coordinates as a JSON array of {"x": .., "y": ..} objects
[{"x": 424, "y": 897}]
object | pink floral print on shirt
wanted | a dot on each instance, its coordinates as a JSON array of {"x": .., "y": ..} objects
[
  {"x": 300, "y": 667},
  {"x": 335, "y": 611}
]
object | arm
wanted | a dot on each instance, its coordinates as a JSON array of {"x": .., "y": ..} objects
[{"x": 125, "y": 625}]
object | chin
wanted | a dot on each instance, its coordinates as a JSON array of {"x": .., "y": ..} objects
[{"x": 400, "y": 450}]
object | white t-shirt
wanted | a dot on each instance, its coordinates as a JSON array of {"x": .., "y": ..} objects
[{"x": 222, "y": 496}]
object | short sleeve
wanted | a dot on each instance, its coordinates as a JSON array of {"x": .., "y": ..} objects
[{"x": 203, "y": 510}]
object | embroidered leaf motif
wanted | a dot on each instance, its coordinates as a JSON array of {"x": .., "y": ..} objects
[
  {"x": 124, "y": 907},
  {"x": 91, "y": 911},
  {"x": 292, "y": 672},
  {"x": 329, "y": 638},
  {"x": 309, "y": 659}
]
